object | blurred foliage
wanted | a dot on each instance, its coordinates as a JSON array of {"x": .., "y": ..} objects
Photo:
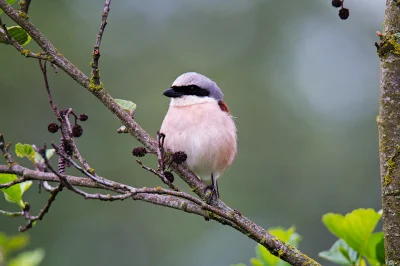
[
  {"x": 356, "y": 242},
  {"x": 9, "y": 245}
]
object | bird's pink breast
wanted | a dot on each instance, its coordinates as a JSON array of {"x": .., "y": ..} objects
[{"x": 207, "y": 135}]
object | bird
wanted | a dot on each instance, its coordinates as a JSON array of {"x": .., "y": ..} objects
[{"x": 198, "y": 122}]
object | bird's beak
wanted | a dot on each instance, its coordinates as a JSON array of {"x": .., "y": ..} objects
[{"x": 172, "y": 93}]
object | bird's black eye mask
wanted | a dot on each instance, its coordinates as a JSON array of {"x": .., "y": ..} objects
[{"x": 178, "y": 91}]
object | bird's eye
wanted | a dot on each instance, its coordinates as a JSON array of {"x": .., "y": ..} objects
[{"x": 192, "y": 88}]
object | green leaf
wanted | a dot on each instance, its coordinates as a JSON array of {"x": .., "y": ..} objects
[
  {"x": 370, "y": 251},
  {"x": 340, "y": 253},
  {"x": 28, "y": 258},
  {"x": 380, "y": 252},
  {"x": 355, "y": 228},
  {"x": 25, "y": 150},
  {"x": 14, "y": 193},
  {"x": 19, "y": 35},
  {"x": 128, "y": 106},
  {"x": 10, "y": 2}
]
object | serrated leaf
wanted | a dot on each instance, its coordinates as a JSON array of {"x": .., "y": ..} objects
[
  {"x": 340, "y": 253},
  {"x": 25, "y": 150},
  {"x": 19, "y": 35},
  {"x": 28, "y": 258},
  {"x": 10, "y": 2},
  {"x": 355, "y": 228},
  {"x": 127, "y": 106},
  {"x": 14, "y": 193}
]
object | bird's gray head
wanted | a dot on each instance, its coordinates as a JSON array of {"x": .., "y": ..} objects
[{"x": 192, "y": 83}]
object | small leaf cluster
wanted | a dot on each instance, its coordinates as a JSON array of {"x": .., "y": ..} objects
[
  {"x": 11, "y": 244},
  {"x": 14, "y": 193},
  {"x": 357, "y": 241}
]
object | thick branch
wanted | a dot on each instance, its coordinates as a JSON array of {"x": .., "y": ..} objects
[
  {"x": 220, "y": 211},
  {"x": 388, "y": 124}
]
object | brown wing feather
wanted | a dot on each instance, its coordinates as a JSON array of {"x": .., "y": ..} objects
[{"x": 223, "y": 106}]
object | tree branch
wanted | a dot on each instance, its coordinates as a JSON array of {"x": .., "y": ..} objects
[
  {"x": 219, "y": 211},
  {"x": 96, "y": 49},
  {"x": 388, "y": 125}
]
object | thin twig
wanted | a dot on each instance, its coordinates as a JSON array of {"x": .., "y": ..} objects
[
  {"x": 96, "y": 49},
  {"x": 161, "y": 176},
  {"x": 4, "y": 149},
  {"x": 24, "y": 6},
  {"x": 43, "y": 211},
  {"x": 12, "y": 214},
  {"x": 10, "y": 40},
  {"x": 97, "y": 179},
  {"x": 43, "y": 68}
]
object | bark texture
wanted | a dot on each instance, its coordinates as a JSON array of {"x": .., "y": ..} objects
[{"x": 389, "y": 130}]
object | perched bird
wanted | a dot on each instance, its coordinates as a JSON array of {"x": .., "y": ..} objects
[{"x": 198, "y": 122}]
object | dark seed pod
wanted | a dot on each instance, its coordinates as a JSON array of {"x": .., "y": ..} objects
[
  {"x": 139, "y": 151},
  {"x": 77, "y": 131},
  {"x": 83, "y": 117},
  {"x": 53, "y": 127},
  {"x": 169, "y": 176},
  {"x": 344, "y": 13},
  {"x": 337, "y": 3},
  {"x": 179, "y": 157}
]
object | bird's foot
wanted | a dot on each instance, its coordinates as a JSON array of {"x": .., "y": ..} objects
[{"x": 211, "y": 194}]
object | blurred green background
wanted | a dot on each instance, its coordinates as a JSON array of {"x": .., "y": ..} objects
[{"x": 303, "y": 84}]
